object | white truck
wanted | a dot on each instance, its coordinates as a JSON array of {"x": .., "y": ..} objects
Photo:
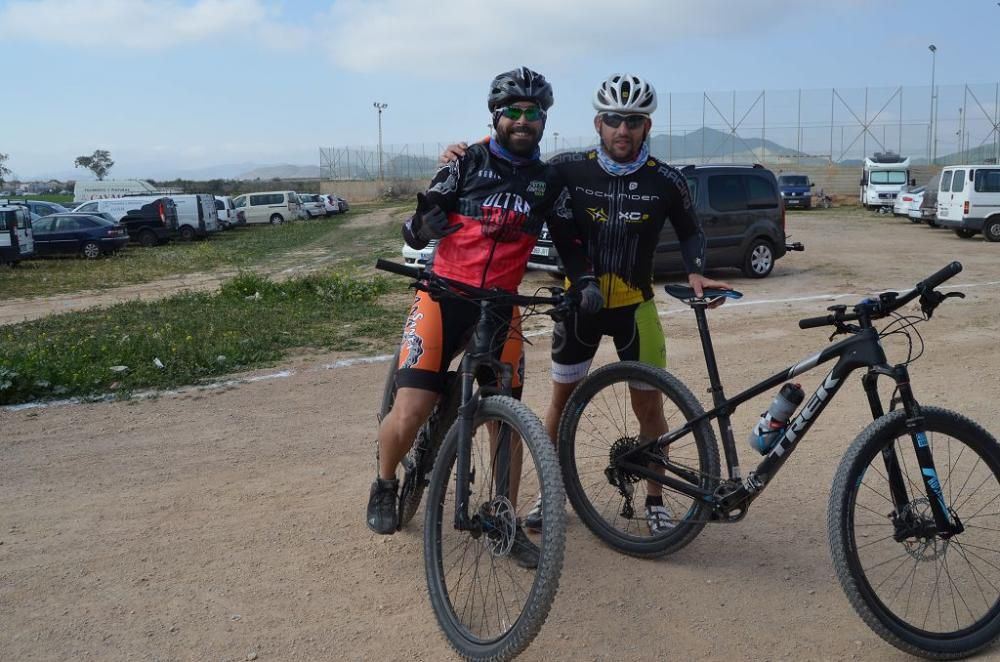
[
  {"x": 113, "y": 188},
  {"x": 884, "y": 177}
]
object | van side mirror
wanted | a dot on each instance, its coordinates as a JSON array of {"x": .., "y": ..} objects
[
  {"x": 913, "y": 182},
  {"x": 812, "y": 184}
]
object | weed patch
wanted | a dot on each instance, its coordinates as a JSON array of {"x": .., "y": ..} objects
[{"x": 185, "y": 339}]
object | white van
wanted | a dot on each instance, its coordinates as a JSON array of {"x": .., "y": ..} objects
[
  {"x": 273, "y": 207},
  {"x": 226, "y": 211},
  {"x": 196, "y": 215},
  {"x": 884, "y": 177},
  {"x": 113, "y": 188},
  {"x": 16, "y": 237},
  {"x": 968, "y": 200}
]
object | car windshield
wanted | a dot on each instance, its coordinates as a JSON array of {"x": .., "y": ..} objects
[
  {"x": 106, "y": 216},
  {"x": 793, "y": 180},
  {"x": 101, "y": 219},
  {"x": 888, "y": 177}
]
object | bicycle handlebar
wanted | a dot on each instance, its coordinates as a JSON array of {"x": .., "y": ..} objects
[
  {"x": 559, "y": 300},
  {"x": 885, "y": 303}
]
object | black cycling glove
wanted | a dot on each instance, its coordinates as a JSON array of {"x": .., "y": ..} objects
[
  {"x": 430, "y": 222},
  {"x": 591, "y": 299}
]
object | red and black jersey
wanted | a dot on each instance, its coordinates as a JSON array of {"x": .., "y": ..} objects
[{"x": 501, "y": 208}]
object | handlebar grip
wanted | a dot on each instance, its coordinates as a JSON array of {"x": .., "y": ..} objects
[
  {"x": 813, "y": 322},
  {"x": 397, "y": 268},
  {"x": 940, "y": 276}
]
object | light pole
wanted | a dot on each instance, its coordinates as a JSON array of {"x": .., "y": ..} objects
[
  {"x": 933, "y": 49},
  {"x": 380, "y": 107},
  {"x": 555, "y": 141}
]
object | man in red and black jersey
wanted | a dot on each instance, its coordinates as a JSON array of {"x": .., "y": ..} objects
[{"x": 486, "y": 210}]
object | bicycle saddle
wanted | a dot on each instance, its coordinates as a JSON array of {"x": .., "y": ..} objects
[{"x": 686, "y": 293}]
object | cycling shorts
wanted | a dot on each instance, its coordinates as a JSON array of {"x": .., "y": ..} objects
[
  {"x": 437, "y": 331},
  {"x": 636, "y": 330}
]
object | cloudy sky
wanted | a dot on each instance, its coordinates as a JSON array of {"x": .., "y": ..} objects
[{"x": 187, "y": 84}]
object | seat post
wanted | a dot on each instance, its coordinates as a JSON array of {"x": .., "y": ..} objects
[{"x": 706, "y": 346}]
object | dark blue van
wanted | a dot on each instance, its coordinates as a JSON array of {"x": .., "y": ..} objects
[{"x": 796, "y": 190}]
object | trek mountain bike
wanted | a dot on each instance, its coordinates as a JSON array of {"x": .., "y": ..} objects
[
  {"x": 470, "y": 457},
  {"x": 914, "y": 512}
]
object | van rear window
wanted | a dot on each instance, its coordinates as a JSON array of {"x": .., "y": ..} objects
[
  {"x": 946, "y": 181},
  {"x": 6, "y": 220},
  {"x": 987, "y": 181},
  {"x": 958, "y": 181}
]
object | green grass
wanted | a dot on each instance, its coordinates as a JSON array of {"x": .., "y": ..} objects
[
  {"x": 240, "y": 248},
  {"x": 252, "y": 321},
  {"x": 64, "y": 200}
]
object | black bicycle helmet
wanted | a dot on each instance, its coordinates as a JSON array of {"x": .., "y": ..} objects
[{"x": 520, "y": 84}]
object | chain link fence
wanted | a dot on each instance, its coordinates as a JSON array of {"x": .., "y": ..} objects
[{"x": 830, "y": 126}]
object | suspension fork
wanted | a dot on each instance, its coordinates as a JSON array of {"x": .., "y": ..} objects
[
  {"x": 945, "y": 519},
  {"x": 897, "y": 484},
  {"x": 465, "y": 419}
]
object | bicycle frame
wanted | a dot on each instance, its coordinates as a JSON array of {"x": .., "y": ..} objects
[{"x": 731, "y": 500}]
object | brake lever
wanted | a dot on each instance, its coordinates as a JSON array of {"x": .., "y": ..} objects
[
  {"x": 931, "y": 299},
  {"x": 841, "y": 328}
]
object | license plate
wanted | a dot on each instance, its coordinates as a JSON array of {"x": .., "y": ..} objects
[
  {"x": 426, "y": 255},
  {"x": 540, "y": 250}
]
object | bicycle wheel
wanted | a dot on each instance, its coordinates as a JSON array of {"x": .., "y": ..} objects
[
  {"x": 488, "y": 606},
  {"x": 599, "y": 424},
  {"x": 923, "y": 594}
]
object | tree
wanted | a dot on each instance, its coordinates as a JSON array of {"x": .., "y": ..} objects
[
  {"x": 4, "y": 170},
  {"x": 98, "y": 163}
]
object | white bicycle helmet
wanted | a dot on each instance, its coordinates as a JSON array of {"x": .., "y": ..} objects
[{"x": 625, "y": 93}]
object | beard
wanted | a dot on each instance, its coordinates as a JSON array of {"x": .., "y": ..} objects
[{"x": 519, "y": 140}]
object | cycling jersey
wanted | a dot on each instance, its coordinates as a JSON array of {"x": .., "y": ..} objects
[
  {"x": 501, "y": 208},
  {"x": 620, "y": 218}
]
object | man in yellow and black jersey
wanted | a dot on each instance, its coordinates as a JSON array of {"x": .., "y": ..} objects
[{"x": 621, "y": 197}]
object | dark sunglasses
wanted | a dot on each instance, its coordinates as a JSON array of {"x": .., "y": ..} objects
[
  {"x": 531, "y": 114},
  {"x": 633, "y": 122}
]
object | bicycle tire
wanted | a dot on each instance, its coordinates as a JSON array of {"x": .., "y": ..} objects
[
  {"x": 514, "y": 631},
  {"x": 603, "y": 394},
  {"x": 859, "y": 500}
]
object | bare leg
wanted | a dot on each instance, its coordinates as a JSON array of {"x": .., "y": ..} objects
[
  {"x": 411, "y": 408},
  {"x": 560, "y": 395},
  {"x": 648, "y": 408}
]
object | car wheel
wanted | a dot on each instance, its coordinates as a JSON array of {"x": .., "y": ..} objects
[
  {"x": 277, "y": 219},
  {"x": 91, "y": 250},
  {"x": 147, "y": 238},
  {"x": 965, "y": 233},
  {"x": 759, "y": 260},
  {"x": 991, "y": 229},
  {"x": 187, "y": 233}
]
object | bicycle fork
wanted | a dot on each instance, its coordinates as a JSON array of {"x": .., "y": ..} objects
[{"x": 946, "y": 521}]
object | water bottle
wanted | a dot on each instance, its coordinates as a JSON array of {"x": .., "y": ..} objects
[{"x": 765, "y": 434}]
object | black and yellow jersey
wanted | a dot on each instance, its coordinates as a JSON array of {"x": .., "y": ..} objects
[{"x": 620, "y": 218}]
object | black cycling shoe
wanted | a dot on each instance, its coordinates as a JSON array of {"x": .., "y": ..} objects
[
  {"x": 524, "y": 552},
  {"x": 533, "y": 520},
  {"x": 382, "y": 517}
]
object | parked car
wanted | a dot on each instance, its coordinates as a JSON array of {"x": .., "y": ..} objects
[
  {"x": 420, "y": 257},
  {"x": 226, "y": 211},
  {"x": 274, "y": 207},
  {"x": 312, "y": 206},
  {"x": 796, "y": 190},
  {"x": 341, "y": 202},
  {"x": 149, "y": 220},
  {"x": 83, "y": 234},
  {"x": 16, "y": 236},
  {"x": 741, "y": 213},
  {"x": 44, "y": 208},
  {"x": 969, "y": 201},
  {"x": 330, "y": 203},
  {"x": 928, "y": 204},
  {"x": 908, "y": 199}
]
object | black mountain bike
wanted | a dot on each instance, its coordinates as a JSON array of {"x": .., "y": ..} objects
[
  {"x": 914, "y": 513},
  {"x": 470, "y": 456}
]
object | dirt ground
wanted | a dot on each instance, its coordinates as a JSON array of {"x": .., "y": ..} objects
[{"x": 226, "y": 523}]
